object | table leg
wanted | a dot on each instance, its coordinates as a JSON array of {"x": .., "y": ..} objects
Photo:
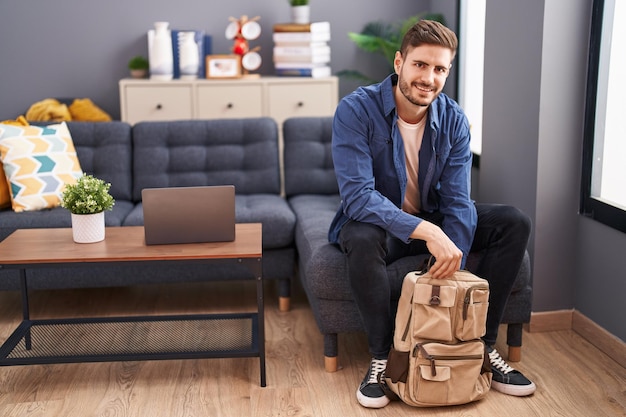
[
  {"x": 260, "y": 306},
  {"x": 25, "y": 306}
]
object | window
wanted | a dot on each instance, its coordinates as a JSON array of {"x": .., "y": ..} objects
[
  {"x": 603, "y": 194},
  {"x": 471, "y": 63}
]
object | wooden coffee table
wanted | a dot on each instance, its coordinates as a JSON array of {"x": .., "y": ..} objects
[{"x": 136, "y": 337}]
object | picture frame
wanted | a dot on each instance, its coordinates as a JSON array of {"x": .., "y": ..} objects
[{"x": 223, "y": 66}]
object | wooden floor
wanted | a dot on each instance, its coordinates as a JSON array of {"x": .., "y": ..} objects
[{"x": 573, "y": 377}]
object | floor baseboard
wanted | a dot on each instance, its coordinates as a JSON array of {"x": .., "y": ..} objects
[{"x": 547, "y": 321}]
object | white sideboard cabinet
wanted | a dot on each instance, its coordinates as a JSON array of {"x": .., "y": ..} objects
[{"x": 276, "y": 97}]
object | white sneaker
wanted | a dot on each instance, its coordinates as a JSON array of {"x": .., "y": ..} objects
[{"x": 370, "y": 393}]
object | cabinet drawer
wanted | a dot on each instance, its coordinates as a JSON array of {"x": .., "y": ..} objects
[
  {"x": 148, "y": 103},
  {"x": 301, "y": 100},
  {"x": 230, "y": 101}
]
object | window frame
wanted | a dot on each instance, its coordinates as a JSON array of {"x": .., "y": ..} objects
[{"x": 590, "y": 206}]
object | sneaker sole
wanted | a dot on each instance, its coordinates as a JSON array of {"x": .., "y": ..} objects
[
  {"x": 369, "y": 402},
  {"x": 515, "y": 390}
]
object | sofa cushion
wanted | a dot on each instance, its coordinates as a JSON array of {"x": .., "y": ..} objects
[
  {"x": 269, "y": 209},
  {"x": 278, "y": 219},
  {"x": 55, "y": 217},
  {"x": 323, "y": 265},
  {"x": 308, "y": 156},
  {"x": 241, "y": 152},
  {"x": 38, "y": 162},
  {"x": 105, "y": 151}
]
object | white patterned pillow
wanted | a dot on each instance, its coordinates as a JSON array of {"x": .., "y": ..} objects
[{"x": 38, "y": 162}]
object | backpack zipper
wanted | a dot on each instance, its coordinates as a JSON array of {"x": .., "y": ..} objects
[
  {"x": 468, "y": 298},
  {"x": 433, "y": 358}
]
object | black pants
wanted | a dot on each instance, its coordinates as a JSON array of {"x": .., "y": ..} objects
[{"x": 501, "y": 234}]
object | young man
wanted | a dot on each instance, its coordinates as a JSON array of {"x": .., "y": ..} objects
[{"x": 402, "y": 159}]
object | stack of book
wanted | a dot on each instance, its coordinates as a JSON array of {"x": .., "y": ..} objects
[{"x": 302, "y": 49}]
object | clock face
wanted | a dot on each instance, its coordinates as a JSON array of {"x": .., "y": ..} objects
[
  {"x": 231, "y": 30},
  {"x": 251, "y": 30},
  {"x": 251, "y": 61}
]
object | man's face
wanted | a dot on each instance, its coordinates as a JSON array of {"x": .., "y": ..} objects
[{"x": 422, "y": 73}]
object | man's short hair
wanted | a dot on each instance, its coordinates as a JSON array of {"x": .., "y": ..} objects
[{"x": 429, "y": 32}]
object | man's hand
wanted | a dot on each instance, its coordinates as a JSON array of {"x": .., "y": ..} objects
[{"x": 447, "y": 256}]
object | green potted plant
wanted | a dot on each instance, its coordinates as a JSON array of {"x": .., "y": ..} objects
[
  {"x": 138, "y": 66},
  {"x": 87, "y": 200},
  {"x": 300, "y": 11},
  {"x": 384, "y": 39}
]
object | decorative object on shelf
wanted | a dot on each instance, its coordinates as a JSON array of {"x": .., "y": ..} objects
[
  {"x": 189, "y": 56},
  {"x": 138, "y": 66},
  {"x": 223, "y": 66},
  {"x": 300, "y": 11},
  {"x": 241, "y": 31},
  {"x": 384, "y": 39},
  {"x": 160, "y": 52},
  {"x": 87, "y": 200},
  {"x": 302, "y": 50}
]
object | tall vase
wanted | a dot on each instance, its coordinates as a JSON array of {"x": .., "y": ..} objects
[
  {"x": 300, "y": 14},
  {"x": 189, "y": 56},
  {"x": 161, "y": 54},
  {"x": 88, "y": 228}
]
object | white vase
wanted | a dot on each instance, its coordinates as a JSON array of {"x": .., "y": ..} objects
[
  {"x": 189, "y": 56},
  {"x": 161, "y": 54},
  {"x": 300, "y": 14},
  {"x": 88, "y": 228}
]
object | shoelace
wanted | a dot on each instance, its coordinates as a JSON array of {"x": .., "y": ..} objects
[
  {"x": 377, "y": 366},
  {"x": 497, "y": 361}
]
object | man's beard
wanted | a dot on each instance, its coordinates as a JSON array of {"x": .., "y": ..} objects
[{"x": 405, "y": 89}]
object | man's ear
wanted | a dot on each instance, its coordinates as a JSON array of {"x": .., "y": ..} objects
[{"x": 397, "y": 62}]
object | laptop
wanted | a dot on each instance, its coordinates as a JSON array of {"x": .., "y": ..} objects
[{"x": 189, "y": 214}]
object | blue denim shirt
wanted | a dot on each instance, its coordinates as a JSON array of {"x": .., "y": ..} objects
[{"x": 368, "y": 155}]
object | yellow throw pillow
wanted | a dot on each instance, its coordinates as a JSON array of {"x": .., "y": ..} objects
[
  {"x": 48, "y": 110},
  {"x": 38, "y": 162},
  {"x": 84, "y": 110},
  {"x": 5, "y": 194}
]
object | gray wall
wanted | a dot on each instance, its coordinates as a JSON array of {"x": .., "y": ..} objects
[
  {"x": 75, "y": 48},
  {"x": 536, "y": 58}
]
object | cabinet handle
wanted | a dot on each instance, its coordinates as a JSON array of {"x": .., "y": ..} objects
[
  {"x": 230, "y": 105},
  {"x": 300, "y": 104},
  {"x": 159, "y": 106}
]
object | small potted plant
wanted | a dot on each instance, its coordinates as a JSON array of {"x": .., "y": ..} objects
[
  {"x": 300, "y": 11},
  {"x": 138, "y": 67},
  {"x": 87, "y": 201}
]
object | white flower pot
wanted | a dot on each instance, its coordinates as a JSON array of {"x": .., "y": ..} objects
[
  {"x": 300, "y": 14},
  {"x": 88, "y": 228}
]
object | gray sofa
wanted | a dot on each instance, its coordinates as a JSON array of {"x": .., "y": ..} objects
[
  {"x": 241, "y": 152},
  {"x": 312, "y": 192}
]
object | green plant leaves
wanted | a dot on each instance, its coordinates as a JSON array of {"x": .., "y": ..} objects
[{"x": 384, "y": 39}]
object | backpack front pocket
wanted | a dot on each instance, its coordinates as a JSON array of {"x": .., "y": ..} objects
[
  {"x": 433, "y": 305},
  {"x": 471, "y": 320},
  {"x": 447, "y": 374}
]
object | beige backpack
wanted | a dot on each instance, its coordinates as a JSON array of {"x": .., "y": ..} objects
[{"x": 438, "y": 357}]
